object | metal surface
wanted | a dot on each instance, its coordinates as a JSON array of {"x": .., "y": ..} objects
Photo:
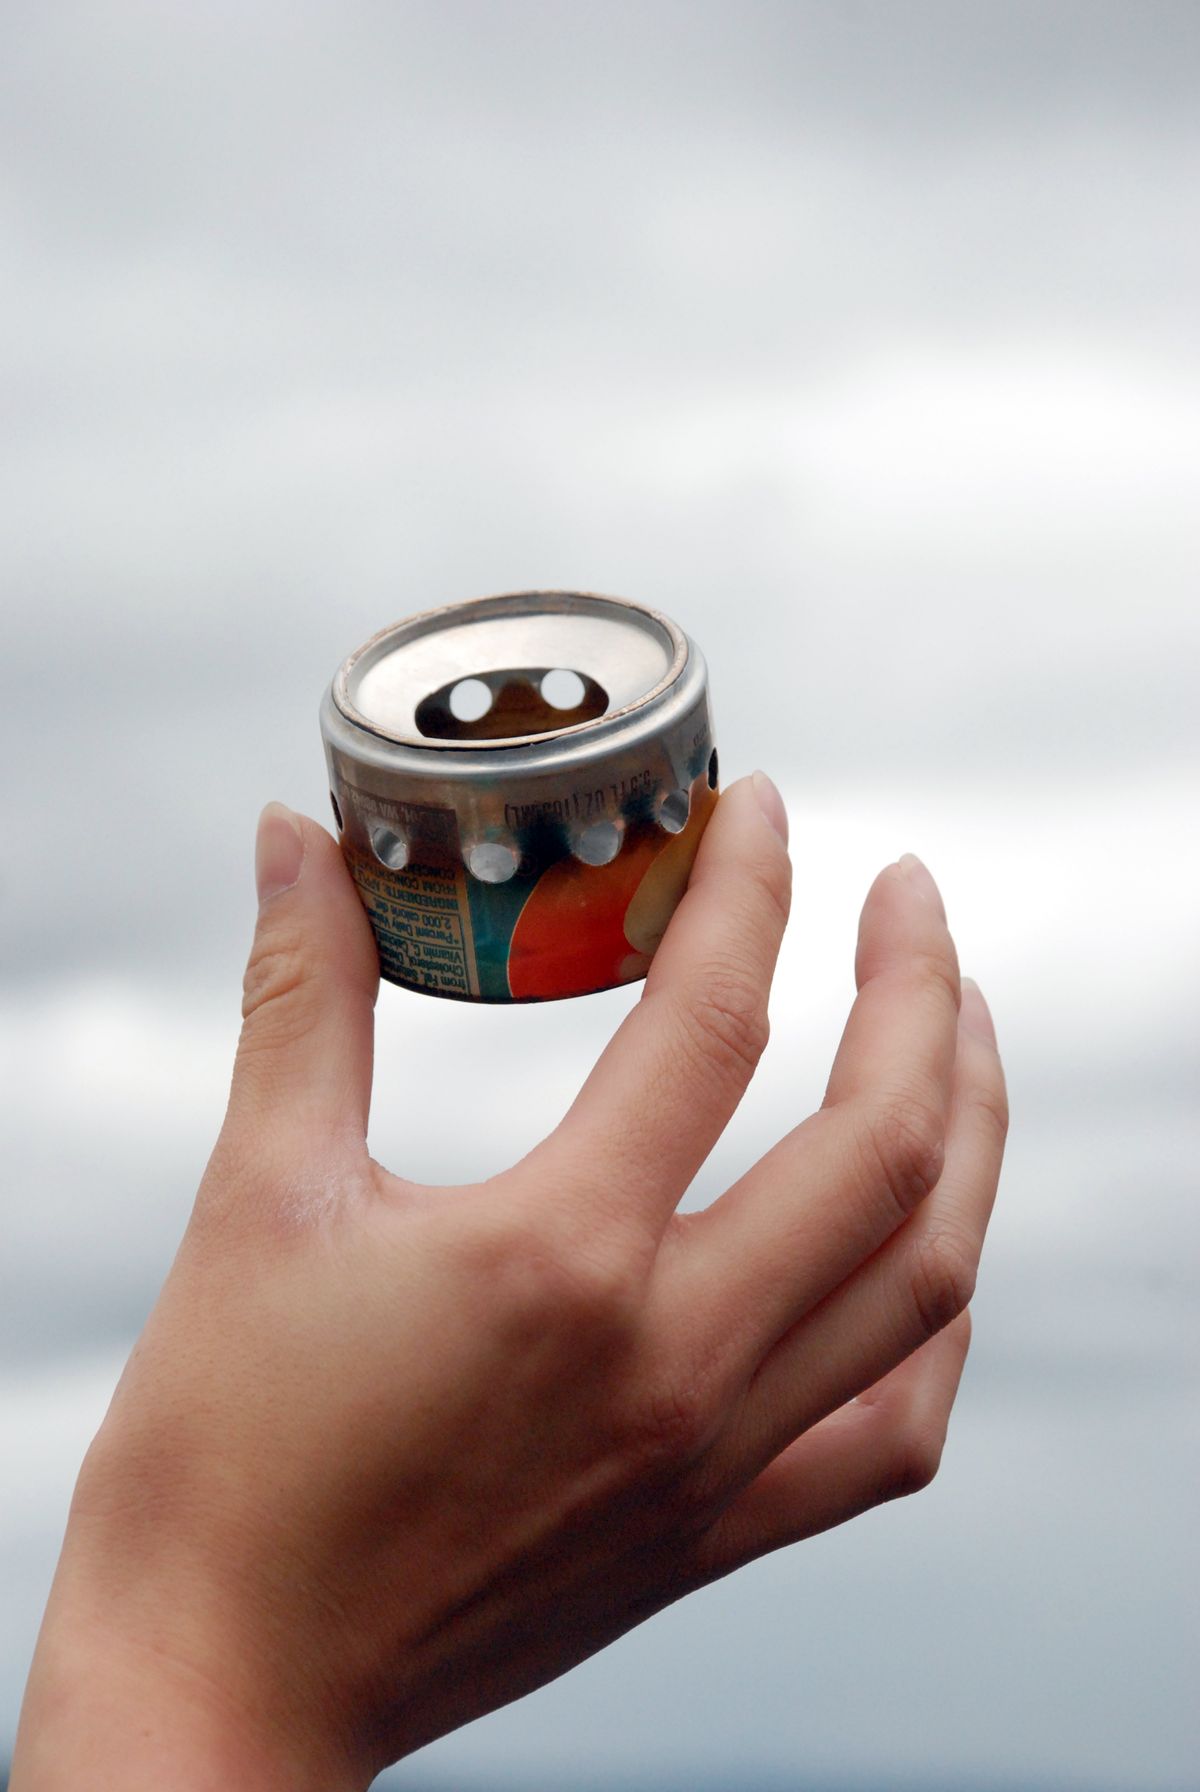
[{"x": 521, "y": 783}]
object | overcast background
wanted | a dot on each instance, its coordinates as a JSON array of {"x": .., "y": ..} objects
[{"x": 862, "y": 340}]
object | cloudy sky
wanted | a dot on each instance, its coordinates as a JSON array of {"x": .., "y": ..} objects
[{"x": 861, "y": 339}]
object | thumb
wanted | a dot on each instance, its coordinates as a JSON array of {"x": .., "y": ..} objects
[{"x": 304, "y": 1057}]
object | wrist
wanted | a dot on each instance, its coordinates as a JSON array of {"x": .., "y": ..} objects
[{"x": 116, "y": 1702}]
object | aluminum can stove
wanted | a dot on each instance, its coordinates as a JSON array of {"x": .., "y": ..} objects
[{"x": 520, "y": 784}]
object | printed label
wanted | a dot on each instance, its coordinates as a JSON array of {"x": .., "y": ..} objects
[
  {"x": 558, "y": 926},
  {"x": 422, "y": 922}
]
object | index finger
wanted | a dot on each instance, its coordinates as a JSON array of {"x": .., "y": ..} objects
[{"x": 665, "y": 1087}]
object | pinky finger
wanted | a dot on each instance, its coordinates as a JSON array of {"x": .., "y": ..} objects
[{"x": 883, "y": 1445}]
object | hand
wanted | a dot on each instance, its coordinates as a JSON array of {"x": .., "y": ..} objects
[{"x": 387, "y": 1456}]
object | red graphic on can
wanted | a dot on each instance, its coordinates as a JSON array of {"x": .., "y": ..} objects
[{"x": 587, "y": 927}]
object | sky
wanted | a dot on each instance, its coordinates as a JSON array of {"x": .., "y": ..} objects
[{"x": 861, "y": 340}]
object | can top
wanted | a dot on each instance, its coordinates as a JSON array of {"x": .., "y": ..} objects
[{"x": 503, "y": 671}]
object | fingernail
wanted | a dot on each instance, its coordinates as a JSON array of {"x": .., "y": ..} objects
[
  {"x": 278, "y": 851},
  {"x": 919, "y": 877},
  {"x": 771, "y": 804},
  {"x": 975, "y": 1014}
]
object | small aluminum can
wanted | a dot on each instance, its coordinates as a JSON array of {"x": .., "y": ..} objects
[{"x": 520, "y": 784}]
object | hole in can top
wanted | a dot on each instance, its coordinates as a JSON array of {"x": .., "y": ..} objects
[
  {"x": 518, "y": 700},
  {"x": 470, "y": 700},
  {"x": 563, "y": 689}
]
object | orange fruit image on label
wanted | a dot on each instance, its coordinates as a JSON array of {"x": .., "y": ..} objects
[{"x": 586, "y": 927}]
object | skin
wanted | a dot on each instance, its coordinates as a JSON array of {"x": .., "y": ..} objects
[{"x": 387, "y": 1456}]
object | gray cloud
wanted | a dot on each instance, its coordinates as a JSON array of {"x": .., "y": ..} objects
[{"x": 860, "y": 337}]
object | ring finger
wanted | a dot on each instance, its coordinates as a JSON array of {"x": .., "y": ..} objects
[{"x": 907, "y": 1292}]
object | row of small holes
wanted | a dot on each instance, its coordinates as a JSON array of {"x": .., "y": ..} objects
[{"x": 494, "y": 862}]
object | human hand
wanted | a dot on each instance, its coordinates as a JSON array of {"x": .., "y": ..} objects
[{"x": 387, "y": 1456}]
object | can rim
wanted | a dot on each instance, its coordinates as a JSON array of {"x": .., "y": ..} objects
[{"x": 424, "y": 621}]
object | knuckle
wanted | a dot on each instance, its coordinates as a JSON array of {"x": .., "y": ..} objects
[
  {"x": 771, "y": 883},
  {"x": 726, "y": 1016},
  {"x": 937, "y": 970},
  {"x": 672, "y": 1425},
  {"x": 916, "y": 1456},
  {"x": 943, "y": 1279},
  {"x": 990, "y": 1102},
  {"x": 277, "y": 971},
  {"x": 592, "y": 1290},
  {"x": 555, "y": 1284},
  {"x": 904, "y": 1144}
]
